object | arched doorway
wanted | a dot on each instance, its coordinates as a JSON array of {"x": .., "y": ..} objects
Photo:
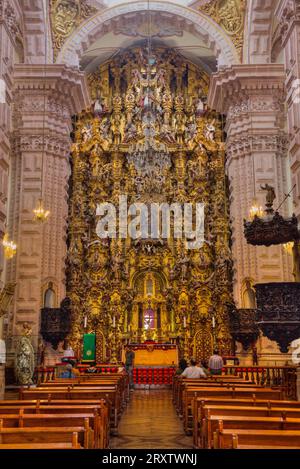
[{"x": 203, "y": 344}]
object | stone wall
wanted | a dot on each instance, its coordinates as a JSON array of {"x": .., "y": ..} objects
[{"x": 45, "y": 98}]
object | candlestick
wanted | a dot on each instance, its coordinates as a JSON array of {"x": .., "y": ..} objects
[
  {"x": 213, "y": 322},
  {"x": 184, "y": 322},
  {"x": 114, "y": 321},
  {"x": 85, "y": 322}
]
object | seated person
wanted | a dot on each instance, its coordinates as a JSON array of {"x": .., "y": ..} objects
[
  {"x": 68, "y": 353},
  {"x": 193, "y": 371},
  {"x": 215, "y": 363},
  {"x": 181, "y": 366},
  {"x": 204, "y": 366},
  {"x": 70, "y": 372}
]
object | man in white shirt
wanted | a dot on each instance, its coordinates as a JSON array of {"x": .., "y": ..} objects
[{"x": 193, "y": 371}]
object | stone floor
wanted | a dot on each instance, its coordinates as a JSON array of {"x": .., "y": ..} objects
[{"x": 150, "y": 422}]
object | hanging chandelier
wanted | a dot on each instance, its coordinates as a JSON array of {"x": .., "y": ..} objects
[
  {"x": 40, "y": 214},
  {"x": 288, "y": 247},
  {"x": 10, "y": 247},
  {"x": 256, "y": 210}
]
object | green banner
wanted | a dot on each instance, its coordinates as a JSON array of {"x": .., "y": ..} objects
[{"x": 89, "y": 347}]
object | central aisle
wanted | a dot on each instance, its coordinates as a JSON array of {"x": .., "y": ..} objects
[{"x": 150, "y": 422}]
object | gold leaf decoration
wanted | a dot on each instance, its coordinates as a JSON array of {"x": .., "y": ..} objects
[
  {"x": 230, "y": 15},
  {"x": 66, "y": 16}
]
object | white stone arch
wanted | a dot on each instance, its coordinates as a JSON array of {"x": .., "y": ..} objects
[{"x": 89, "y": 31}]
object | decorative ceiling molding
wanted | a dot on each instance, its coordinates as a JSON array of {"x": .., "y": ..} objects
[
  {"x": 82, "y": 38},
  {"x": 66, "y": 16},
  {"x": 230, "y": 15}
]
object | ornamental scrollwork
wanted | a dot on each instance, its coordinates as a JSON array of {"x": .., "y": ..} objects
[
  {"x": 230, "y": 15},
  {"x": 66, "y": 16}
]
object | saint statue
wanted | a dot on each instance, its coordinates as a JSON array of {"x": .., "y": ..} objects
[
  {"x": 270, "y": 197},
  {"x": 24, "y": 362}
]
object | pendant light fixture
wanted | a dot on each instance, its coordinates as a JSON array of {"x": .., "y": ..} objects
[
  {"x": 256, "y": 210},
  {"x": 10, "y": 247},
  {"x": 40, "y": 214}
]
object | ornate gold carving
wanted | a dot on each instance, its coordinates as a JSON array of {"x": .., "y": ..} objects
[
  {"x": 67, "y": 15},
  {"x": 230, "y": 15},
  {"x": 24, "y": 361},
  {"x": 6, "y": 296},
  {"x": 149, "y": 135}
]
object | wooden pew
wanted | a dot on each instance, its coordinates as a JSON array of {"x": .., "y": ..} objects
[
  {"x": 220, "y": 422},
  {"x": 120, "y": 379},
  {"x": 191, "y": 393},
  {"x": 100, "y": 413},
  {"x": 185, "y": 384},
  {"x": 251, "y": 439},
  {"x": 21, "y": 420},
  {"x": 43, "y": 435},
  {"x": 199, "y": 403},
  {"x": 40, "y": 446},
  {"x": 207, "y": 411},
  {"x": 73, "y": 445},
  {"x": 82, "y": 394},
  {"x": 180, "y": 383}
]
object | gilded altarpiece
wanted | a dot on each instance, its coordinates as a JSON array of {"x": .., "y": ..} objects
[{"x": 150, "y": 137}]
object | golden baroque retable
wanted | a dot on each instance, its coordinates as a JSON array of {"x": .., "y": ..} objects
[{"x": 150, "y": 136}]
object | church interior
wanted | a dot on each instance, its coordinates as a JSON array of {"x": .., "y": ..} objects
[{"x": 149, "y": 224}]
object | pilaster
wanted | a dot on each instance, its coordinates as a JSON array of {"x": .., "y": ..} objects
[
  {"x": 253, "y": 97},
  {"x": 288, "y": 13},
  {"x": 45, "y": 99}
]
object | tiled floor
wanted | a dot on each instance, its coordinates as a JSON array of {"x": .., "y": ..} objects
[{"x": 150, "y": 421}]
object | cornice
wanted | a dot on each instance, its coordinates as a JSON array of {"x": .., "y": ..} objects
[
  {"x": 240, "y": 81},
  {"x": 70, "y": 83}
]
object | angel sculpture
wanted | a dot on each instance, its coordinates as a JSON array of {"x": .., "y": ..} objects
[
  {"x": 86, "y": 132},
  {"x": 98, "y": 108},
  {"x": 209, "y": 132},
  {"x": 200, "y": 107}
]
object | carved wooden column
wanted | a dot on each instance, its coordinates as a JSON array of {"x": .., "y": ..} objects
[
  {"x": 40, "y": 259},
  {"x": 252, "y": 96}
]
